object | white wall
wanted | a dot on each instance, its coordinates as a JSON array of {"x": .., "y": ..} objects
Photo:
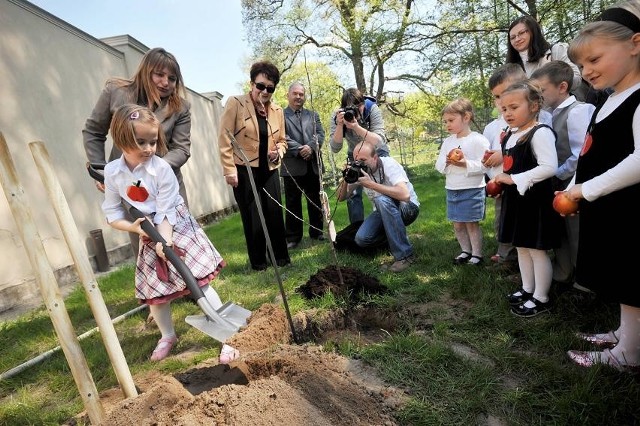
[{"x": 51, "y": 74}]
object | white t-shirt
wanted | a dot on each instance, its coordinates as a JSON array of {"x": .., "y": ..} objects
[
  {"x": 473, "y": 147},
  {"x": 391, "y": 173}
]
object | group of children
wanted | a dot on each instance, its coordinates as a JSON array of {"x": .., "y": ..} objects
[{"x": 591, "y": 153}]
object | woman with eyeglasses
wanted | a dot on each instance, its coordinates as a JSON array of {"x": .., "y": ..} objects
[
  {"x": 257, "y": 125},
  {"x": 528, "y": 48}
]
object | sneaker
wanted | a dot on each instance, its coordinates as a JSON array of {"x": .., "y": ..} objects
[
  {"x": 525, "y": 311},
  {"x": 292, "y": 244},
  {"x": 402, "y": 264}
]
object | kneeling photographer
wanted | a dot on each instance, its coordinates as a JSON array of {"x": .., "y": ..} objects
[
  {"x": 395, "y": 203},
  {"x": 359, "y": 119}
]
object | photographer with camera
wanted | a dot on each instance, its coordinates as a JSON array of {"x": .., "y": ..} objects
[
  {"x": 395, "y": 203},
  {"x": 357, "y": 120}
]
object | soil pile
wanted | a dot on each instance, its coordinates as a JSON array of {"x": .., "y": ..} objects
[{"x": 275, "y": 381}]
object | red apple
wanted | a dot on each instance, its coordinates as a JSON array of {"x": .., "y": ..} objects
[
  {"x": 563, "y": 205},
  {"x": 137, "y": 192},
  {"x": 493, "y": 188},
  {"x": 507, "y": 162},
  {"x": 455, "y": 154}
]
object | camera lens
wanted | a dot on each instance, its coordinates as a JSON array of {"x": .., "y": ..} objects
[{"x": 348, "y": 116}]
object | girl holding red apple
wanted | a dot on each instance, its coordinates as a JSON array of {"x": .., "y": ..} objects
[
  {"x": 460, "y": 160},
  {"x": 607, "y": 180},
  {"x": 147, "y": 182},
  {"x": 527, "y": 219}
]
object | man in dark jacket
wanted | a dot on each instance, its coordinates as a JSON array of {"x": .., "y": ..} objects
[{"x": 301, "y": 167}]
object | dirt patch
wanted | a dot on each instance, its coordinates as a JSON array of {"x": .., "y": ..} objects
[
  {"x": 343, "y": 282},
  {"x": 275, "y": 381}
]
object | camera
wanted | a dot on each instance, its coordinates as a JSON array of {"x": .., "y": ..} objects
[
  {"x": 351, "y": 113},
  {"x": 354, "y": 171}
]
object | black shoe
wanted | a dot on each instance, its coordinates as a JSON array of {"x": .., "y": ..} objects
[
  {"x": 525, "y": 312},
  {"x": 260, "y": 267},
  {"x": 519, "y": 297},
  {"x": 283, "y": 262},
  {"x": 292, "y": 245},
  {"x": 462, "y": 258},
  {"x": 475, "y": 261}
]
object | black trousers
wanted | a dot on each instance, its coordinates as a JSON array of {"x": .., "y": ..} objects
[
  {"x": 310, "y": 184},
  {"x": 253, "y": 231}
]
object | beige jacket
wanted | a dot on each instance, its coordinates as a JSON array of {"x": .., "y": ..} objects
[{"x": 239, "y": 117}]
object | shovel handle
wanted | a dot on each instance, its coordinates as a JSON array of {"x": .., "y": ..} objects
[{"x": 96, "y": 172}]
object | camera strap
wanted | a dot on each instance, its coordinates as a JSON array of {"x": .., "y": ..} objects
[{"x": 380, "y": 172}]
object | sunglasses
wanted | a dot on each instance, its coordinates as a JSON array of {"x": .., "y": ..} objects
[{"x": 262, "y": 86}]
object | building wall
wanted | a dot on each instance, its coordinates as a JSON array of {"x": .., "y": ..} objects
[{"x": 51, "y": 75}]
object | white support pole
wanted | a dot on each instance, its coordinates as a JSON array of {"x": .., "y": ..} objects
[
  {"x": 85, "y": 272},
  {"x": 33, "y": 361},
  {"x": 48, "y": 286}
]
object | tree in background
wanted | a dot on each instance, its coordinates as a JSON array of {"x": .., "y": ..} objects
[
  {"x": 395, "y": 48},
  {"x": 365, "y": 35}
]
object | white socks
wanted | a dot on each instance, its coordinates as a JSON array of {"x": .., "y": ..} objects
[
  {"x": 162, "y": 316},
  {"x": 627, "y": 351},
  {"x": 212, "y": 297}
]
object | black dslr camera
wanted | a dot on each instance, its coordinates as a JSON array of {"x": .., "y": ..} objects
[
  {"x": 354, "y": 171},
  {"x": 351, "y": 113}
]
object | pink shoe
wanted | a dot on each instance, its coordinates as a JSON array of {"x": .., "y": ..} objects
[
  {"x": 163, "y": 348},
  {"x": 592, "y": 359},
  {"x": 604, "y": 340},
  {"x": 228, "y": 354}
]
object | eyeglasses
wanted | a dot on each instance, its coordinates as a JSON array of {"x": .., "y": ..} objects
[
  {"x": 262, "y": 86},
  {"x": 520, "y": 34}
]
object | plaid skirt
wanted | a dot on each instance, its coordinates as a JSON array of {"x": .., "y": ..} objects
[{"x": 200, "y": 256}]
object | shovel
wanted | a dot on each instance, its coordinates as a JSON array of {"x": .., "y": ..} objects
[{"x": 220, "y": 324}]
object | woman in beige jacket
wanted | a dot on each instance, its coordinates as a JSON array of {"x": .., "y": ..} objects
[{"x": 257, "y": 124}]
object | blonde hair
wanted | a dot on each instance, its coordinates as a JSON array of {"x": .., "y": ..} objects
[
  {"x": 604, "y": 29},
  {"x": 156, "y": 60},
  {"x": 460, "y": 106},
  {"x": 123, "y": 132},
  {"x": 533, "y": 94}
]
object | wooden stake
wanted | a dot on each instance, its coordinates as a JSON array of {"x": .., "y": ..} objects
[
  {"x": 48, "y": 286},
  {"x": 83, "y": 267}
]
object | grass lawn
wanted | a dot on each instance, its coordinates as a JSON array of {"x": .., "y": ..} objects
[{"x": 468, "y": 360}]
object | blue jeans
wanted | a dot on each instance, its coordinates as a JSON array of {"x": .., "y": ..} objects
[
  {"x": 355, "y": 207},
  {"x": 389, "y": 222}
]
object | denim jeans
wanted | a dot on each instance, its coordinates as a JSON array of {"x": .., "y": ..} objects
[
  {"x": 355, "y": 207},
  {"x": 388, "y": 222}
]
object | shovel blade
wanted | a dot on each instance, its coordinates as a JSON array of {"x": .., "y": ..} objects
[
  {"x": 236, "y": 315},
  {"x": 220, "y": 332}
]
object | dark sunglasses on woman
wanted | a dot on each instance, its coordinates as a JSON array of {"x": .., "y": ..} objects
[{"x": 262, "y": 86}]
